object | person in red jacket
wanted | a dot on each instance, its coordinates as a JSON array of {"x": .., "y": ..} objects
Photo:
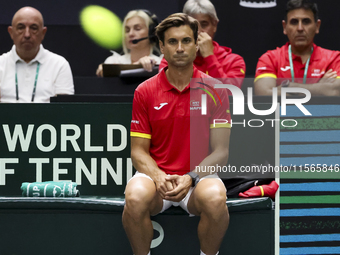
[
  {"x": 212, "y": 59},
  {"x": 300, "y": 63}
]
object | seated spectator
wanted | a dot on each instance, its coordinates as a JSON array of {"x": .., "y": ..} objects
[
  {"x": 299, "y": 63},
  {"x": 139, "y": 42},
  {"x": 212, "y": 59},
  {"x": 28, "y": 72}
]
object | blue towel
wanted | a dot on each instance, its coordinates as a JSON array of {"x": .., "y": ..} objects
[{"x": 50, "y": 189}]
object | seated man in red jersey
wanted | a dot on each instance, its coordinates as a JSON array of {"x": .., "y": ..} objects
[
  {"x": 215, "y": 60},
  {"x": 299, "y": 63},
  {"x": 165, "y": 114}
]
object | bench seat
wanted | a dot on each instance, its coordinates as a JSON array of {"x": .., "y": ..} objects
[{"x": 92, "y": 225}]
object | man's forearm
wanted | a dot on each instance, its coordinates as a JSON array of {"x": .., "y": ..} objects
[
  {"x": 145, "y": 164},
  {"x": 264, "y": 87},
  {"x": 210, "y": 164},
  {"x": 320, "y": 89}
]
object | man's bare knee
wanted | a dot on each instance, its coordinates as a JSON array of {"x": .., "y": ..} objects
[
  {"x": 211, "y": 199},
  {"x": 140, "y": 197}
]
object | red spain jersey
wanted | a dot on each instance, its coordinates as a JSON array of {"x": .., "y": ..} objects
[
  {"x": 275, "y": 64},
  {"x": 171, "y": 118}
]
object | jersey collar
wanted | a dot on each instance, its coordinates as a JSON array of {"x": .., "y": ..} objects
[
  {"x": 40, "y": 57},
  {"x": 314, "y": 56},
  {"x": 166, "y": 86}
]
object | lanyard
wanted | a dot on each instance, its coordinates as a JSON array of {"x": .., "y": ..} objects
[
  {"x": 35, "y": 83},
  {"x": 292, "y": 66}
]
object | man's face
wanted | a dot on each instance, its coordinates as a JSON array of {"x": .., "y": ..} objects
[
  {"x": 179, "y": 46},
  {"x": 135, "y": 28},
  {"x": 208, "y": 25},
  {"x": 301, "y": 27},
  {"x": 27, "y": 31}
]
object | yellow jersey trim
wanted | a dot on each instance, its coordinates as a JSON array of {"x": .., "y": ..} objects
[
  {"x": 220, "y": 125},
  {"x": 141, "y": 135},
  {"x": 265, "y": 75},
  {"x": 262, "y": 191}
]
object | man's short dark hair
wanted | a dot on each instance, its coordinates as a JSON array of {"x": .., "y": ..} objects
[
  {"x": 177, "y": 20},
  {"x": 302, "y": 4}
]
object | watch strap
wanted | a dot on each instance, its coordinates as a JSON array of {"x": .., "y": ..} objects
[{"x": 194, "y": 177}]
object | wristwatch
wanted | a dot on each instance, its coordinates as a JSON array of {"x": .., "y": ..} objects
[{"x": 194, "y": 177}]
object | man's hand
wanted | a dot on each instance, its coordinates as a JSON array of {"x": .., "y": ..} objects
[
  {"x": 99, "y": 71},
  {"x": 329, "y": 77},
  {"x": 182, "y": 186},
  {"x": 163, "y": 185},
  {"x": 205, "y": 44},
  {"x": 147, "y": 62}
]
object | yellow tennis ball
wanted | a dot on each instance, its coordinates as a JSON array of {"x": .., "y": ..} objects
[{"x": 102, "y": 26}]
